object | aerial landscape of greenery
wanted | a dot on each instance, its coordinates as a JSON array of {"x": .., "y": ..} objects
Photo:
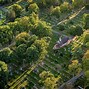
[{"x": 44, "y": 44}]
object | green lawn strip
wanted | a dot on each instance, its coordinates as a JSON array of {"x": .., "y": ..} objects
[
  {"x": 34, "y": 78},
  {"x": 59, "y": 60},
  {"x": 49, "y": 62},
  {"x": 54, "y": 60},
  {"x": 35, "y": 75},
  {"x": 31, "y": 84},
  {"x": 23, "y": 76},
  {"x": 40, "y": 69},
  {"x": 36, "y": 82},
  {"x": 50, "y": 69}
]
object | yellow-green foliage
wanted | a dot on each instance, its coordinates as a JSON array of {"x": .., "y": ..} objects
[
  {"x": 86, "y": 21},
  {"x": 17, "y": 8},
  {"x": 49, "y": 80},
  {"x": 77, "y": 3},
  {"x": 33, "y": 8},
  {"x": 41, "y": 29},
  {"x": 87, "y": 77},
  {"x": 65, "y": 7},
  {"x": 6, "y": 34},
  {"x": 22, "y": 38},
  {"x": 86, "y": 36},
  {"x": 75, "y": 67},
  {"x": 56, "y": 11},
  {"x": 86, "y": 61}
]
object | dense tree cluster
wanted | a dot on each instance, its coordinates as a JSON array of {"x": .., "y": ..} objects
[
  {"x": 6, "y": 34},
  {"x": 30, "y": 47}
]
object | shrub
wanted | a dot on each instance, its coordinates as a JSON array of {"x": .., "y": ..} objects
[
  {"x": 5, "y": 55},
  {"x": 65, "y": 7},
  {"x": 53, "y": 2},
  {"x": 10, "y": 15},
  {"x": 17, "y": 8},
  {"x": 76, "y": 3},
  {"x": 86, "y": 20},
  {"x": 87, "y": 6},
  {"x": 23, "y": 24},
  {"x": 56, "y": 11},
  {"x": 20, "y": 25},
  {"x": 6, "y": 34},
  {"x": 21, "y": 50},
  {"x": 33, "y": 8},
  {"x": 33, "y": 19},
  {"x": 43, "y": 3},
  {"x": 3, "y": 74},
  {"x": 87, "y": 45},
  {"x": 86, "y": 36},
  {"x": 13, "y": 26},
  {"x": 41, "y": 29},
  {"x": 22, "y": 38},
  {"x": 75, "y": 30},
  {"x": 61, "y": 27},
  {"x": 86, "y": 61}
]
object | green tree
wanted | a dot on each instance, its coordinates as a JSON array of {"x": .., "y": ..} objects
[
  {"x": 5, "y": 54},
  {"x": 31, "y": 40},
  {"x": 86, "y": 21},
  {"x": 75, "y": 30},
  {"x": 49, "y": 80},
  {"x": 10, "y": 16},
  {"x": 17, "y": 8},
  {"x": 75, "y": 67},
  {"x": 33, "y": 8},
  {"x": 6, "y": 34},
  {"x": 86, "y": 61},
  {"x": 22, "y": 38},
  {"x": 56, "y": 11},
  {"x": 86, "y": 83},
  {"x": 32, "y": 53},
  {"x": 86, "y": 36},
  {"x": 3, "y": 74},
  {"x": 41, "y": 29},
  {"x": 76, "y": 3},
  {"x": 23, "y": 24},
  {"x": 21, "y": 51},
  {"x": 65, "y": 7}
]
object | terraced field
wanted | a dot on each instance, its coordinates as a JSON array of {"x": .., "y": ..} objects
[{"x": 54, "y": 62}]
